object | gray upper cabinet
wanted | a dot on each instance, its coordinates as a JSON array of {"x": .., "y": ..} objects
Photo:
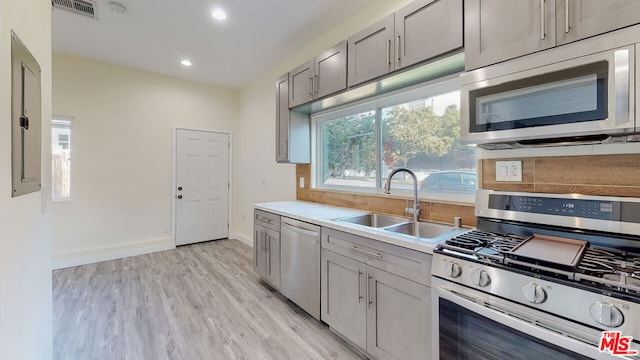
[
  {"x": 371, "y": 51},
  {"x": 330, "y": 71},
  {"x": 497, "y": 30},
  {"x": 323, "y": 75},
  {"x": 419, "y": 30},
  {"x": 579, "y": 19},
  {"x": 293, "y": 136},
  {"x": 301, "y": 81},
  {"x": 282, "y": 118}
]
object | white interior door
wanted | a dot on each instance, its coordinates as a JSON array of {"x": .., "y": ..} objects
[{"x": 202, "y": 186}]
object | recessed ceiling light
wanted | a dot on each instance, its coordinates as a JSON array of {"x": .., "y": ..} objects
[
  {"x": 219, "y": 14},
  {"x": 185, "y": 62}
]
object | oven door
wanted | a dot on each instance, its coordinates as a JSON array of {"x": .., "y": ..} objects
[
  {"x": 578, "y": 97},
  {"x": 468, "y": 324}
]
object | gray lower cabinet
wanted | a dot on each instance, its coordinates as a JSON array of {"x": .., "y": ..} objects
[
  {"x": 381, "y": 312},
  {"x": 293, "y": 132},
  {"x": 266, "y": 247},
  {"x": 344, "y": 304},
  {"x": 398, "y": 317}
]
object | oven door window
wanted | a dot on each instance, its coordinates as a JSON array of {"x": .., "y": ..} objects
[
  {"x": 467, "y": 335},
  {"x": 568, "y": 96}
]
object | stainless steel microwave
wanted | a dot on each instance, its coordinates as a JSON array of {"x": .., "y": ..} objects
[{"x": 569, "y": 94}]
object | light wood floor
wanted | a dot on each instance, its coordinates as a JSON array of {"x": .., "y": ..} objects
[{"x": 199, "y": 301}]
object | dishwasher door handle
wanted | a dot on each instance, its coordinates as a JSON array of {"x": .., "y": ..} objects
[{"x": 299, "y": 230}]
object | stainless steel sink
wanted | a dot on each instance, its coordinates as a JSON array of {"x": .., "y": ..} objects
[
  {"x": 375, "y": 220},
  {"x": 424, "y": 230}
]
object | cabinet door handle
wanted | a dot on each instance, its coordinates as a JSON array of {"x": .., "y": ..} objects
[
  {"x": 310, "y": 85},
  {"x": 369, "y": 298},
  {"x": 388, "y": 52},
  {"x": 542, "y": 16},
  {"x": 567, "y": 26},
  {"x": 359, "y": 293},
  {"x": 398, "y": 41},
  {"x": 316, "y": 84},
  {"x": 267, "y": 257},
  {"x": 365, "y": 252}
]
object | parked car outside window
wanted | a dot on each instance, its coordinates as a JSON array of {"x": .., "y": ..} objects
[{"x": 450, "y": 181}]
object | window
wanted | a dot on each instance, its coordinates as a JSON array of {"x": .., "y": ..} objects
[
  {"x": 358, "y": 146},
  {"x": 60, "y": 158}
]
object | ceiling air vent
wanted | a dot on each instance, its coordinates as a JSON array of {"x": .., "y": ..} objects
[{"x": 82, "y": 7}]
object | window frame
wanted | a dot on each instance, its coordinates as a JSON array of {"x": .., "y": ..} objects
[
  {"x": 70, "y": 120},
  {"x": 428, "y": 89}
]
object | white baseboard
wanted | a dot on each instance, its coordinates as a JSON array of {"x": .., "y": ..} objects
[
  {"x": 89, "y": 256},
  {"x": 242, "y": 238}
]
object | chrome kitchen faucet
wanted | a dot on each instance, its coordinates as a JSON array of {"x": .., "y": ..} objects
[{"x": 416, "y": 209}]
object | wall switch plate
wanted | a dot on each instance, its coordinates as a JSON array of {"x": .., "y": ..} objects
[
  {"x": 301, "y": 182},
  {"x": 509, "y": 171}
]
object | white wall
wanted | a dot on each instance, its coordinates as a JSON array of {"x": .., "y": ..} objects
[
  {"x": 25, "y": 244},
  {"x": 121, "y": 150},
  {"x": 258, "y": 178}
]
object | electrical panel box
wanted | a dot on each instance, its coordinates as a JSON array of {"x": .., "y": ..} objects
[{"x": 26, "y": 120}]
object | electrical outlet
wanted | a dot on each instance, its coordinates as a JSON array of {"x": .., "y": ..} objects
[{"x": 509, "y": 171}]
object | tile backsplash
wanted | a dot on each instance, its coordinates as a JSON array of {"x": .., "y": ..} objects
[
  {"x": 429, "y": 210},
  {"x": 606, "y": 175}
]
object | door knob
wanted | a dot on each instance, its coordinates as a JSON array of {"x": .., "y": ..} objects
[{"x": 179, "y": 196}]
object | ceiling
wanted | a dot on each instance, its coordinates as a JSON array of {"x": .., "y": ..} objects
[{"x": 155, "y": 35}]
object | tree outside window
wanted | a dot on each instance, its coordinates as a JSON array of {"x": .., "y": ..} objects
[{"x": 422, "y": 134}]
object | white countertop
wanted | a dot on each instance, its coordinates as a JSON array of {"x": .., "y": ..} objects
[{"x": 324, "y": 215}]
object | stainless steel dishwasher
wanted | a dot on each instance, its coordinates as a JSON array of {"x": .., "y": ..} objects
[{"x": 300, "y": 264}]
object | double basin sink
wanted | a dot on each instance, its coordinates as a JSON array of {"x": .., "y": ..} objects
[{"x": 423, "y": 230}]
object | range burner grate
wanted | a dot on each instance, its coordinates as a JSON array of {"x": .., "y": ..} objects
[
  {"x": 483, "y": 244},
  {"x": 617, "y": 270},
  {"x": 604, "y": 268}
]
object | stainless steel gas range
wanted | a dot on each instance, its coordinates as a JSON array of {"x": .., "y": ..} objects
[{"x": 543, "y": 276}]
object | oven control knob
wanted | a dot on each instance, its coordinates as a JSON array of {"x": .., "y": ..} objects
[
  {"x": 534, "y": 293},
  {"x": 452, "y": 269},
  {"x": 606, "y": 314},
  {"x": 480, "y": 277}
]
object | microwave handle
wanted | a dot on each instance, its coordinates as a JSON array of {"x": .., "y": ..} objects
[{"x": 621, "y": 77}]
